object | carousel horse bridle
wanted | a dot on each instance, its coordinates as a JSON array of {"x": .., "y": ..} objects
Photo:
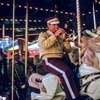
[{"x": 86, "y": 85}]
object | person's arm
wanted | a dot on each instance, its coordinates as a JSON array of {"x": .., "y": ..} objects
[{"x": 45, "y": 41}]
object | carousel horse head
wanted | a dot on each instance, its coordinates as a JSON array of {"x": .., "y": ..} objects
[
  {"x": 98, "y": 30},
  {"x": 49, "y": 86}
]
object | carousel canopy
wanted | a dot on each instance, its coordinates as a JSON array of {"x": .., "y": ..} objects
[{"x": 38, "y": 10}]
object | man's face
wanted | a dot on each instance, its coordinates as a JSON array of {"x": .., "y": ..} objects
[{"x": 53, "y": 27}]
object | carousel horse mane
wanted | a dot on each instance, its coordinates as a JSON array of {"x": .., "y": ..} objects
[
  {"x": 49, "y": 87},
  {"x": 91, "y": 52},
  {"x": 90, "y": 69}
]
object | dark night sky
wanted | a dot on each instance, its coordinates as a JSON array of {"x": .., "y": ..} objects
[{"x": 41, "y": 9}]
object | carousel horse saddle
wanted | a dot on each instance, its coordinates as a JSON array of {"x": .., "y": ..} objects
[{"x": 49, "y": 85}]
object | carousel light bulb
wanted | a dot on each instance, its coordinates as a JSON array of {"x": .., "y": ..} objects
[
  {"x": 25, "y": 6},
  {"x": 6, "y": 19},
  {"x": 30, "y": 8},
  {"x": 30, "y": 20},
  {"x": 65, "y": 26},
  {"x": 46, "y": 9},
  {"x": 2, "y": 4},
  {"x": 35, "y": 20},
  {"x": 66, "y": 12},
  {"x": 96, "y": 11},
  {"x": 19, "y": 6},
  {"x": 71, "y": 30},
  {"x": 41, "y": 9},
  {"x": 36, "y": 8},
  {"x": 42, "y": 27},
  {"x": 84, "y": 24},
  {"x": 61, "y": 12},
  {"x": 83, "y": 14},
  {"x": 89, "y": 12},
  {"x": 51, "y": 10},
  {"x": 67, "y": 21},
  {"x": 8, "y": 4},
  {"x": 70, "y": 20},
  {"x": 20, "y": 20},
  {"x": 71, "y": 13},
  {"x": 7, "y": 29},
  {"x": 39, "y": 20},
  {"x": 96, "y": 1},
  {"x": 57, "y": 11},
  {"x": 2, "y": 19}
]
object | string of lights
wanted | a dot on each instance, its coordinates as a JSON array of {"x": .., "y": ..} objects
[
  {"x": 20, "y": 20},
  {"x": 30, "y": 29},
  {"x": 38, "y": 9},
  {"x": 97, "y": 1},
  {"x": 43, "y": 9},
  {"x": 49, "y": 10},
  {"x": 31, "y": 21}
]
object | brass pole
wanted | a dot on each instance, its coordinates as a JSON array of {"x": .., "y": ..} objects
[
  {"x": 78, "y": 27},
  {"x": 26, "y": 38},
  {"x": 94, "y": 18},
  {"x": 13, "y": 35}
]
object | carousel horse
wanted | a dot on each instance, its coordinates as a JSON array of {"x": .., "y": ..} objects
[
  {"x": 90, "y": 69},
  {"x": 4, "y": 80},
  {"x": 20, "y": 80},
  {"x": 49, "y": 85}
]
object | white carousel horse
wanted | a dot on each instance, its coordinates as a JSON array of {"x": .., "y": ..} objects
[
  {"x": 90, "y": 81},
  {"x": 90, "y": 70},
  {"x": 50, "y": 88}
]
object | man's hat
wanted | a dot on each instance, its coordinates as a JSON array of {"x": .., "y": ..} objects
[{"x": 52, "y": 20}]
